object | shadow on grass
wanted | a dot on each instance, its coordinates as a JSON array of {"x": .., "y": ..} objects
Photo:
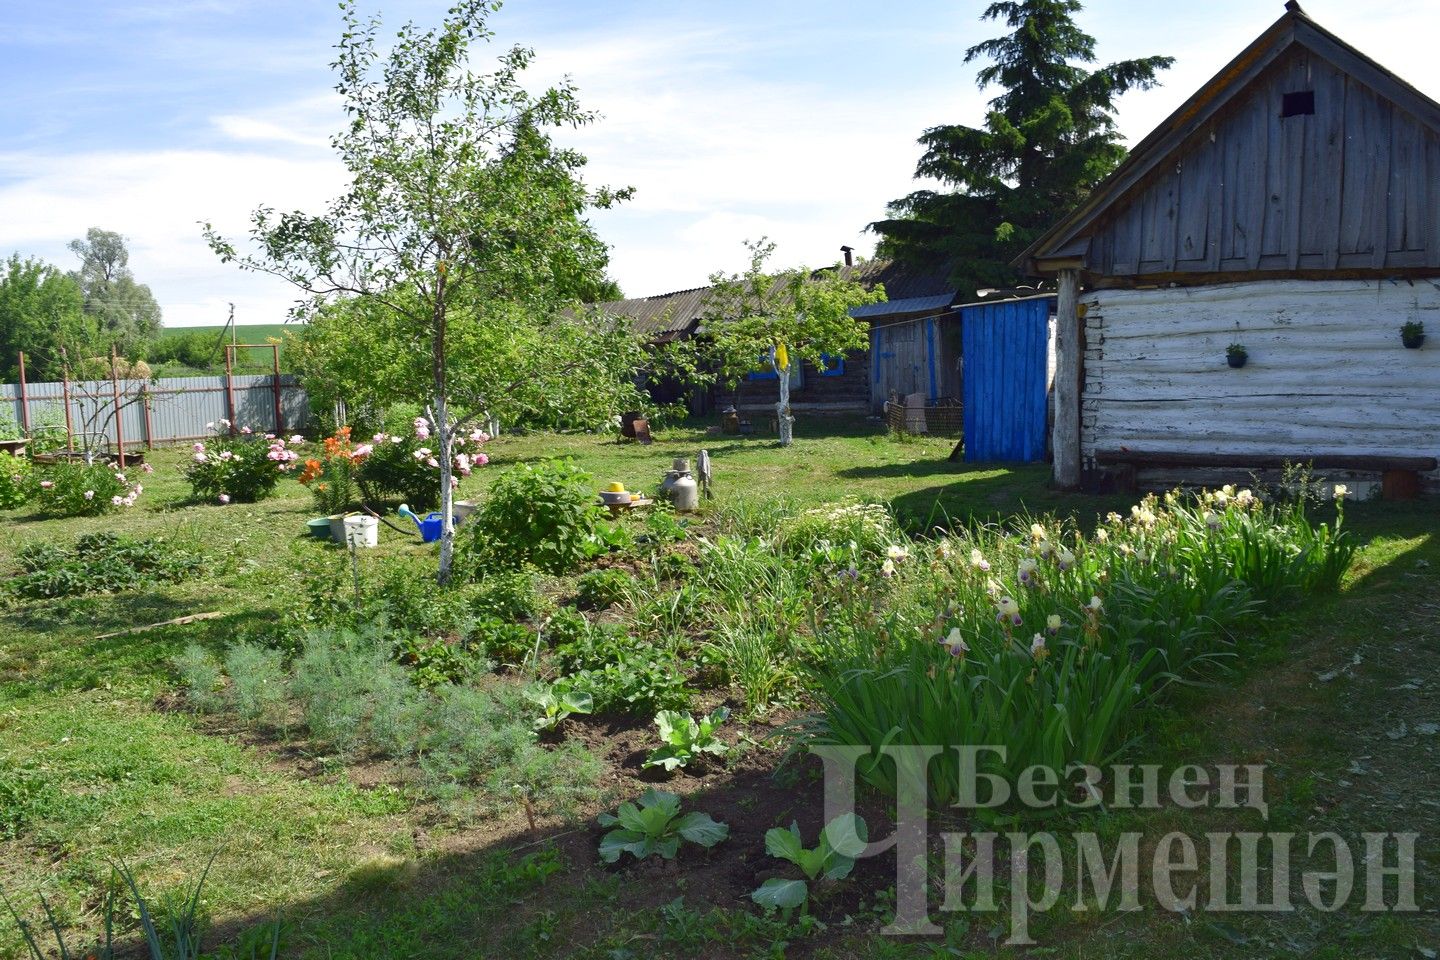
[{"x": 544, "y": 892}]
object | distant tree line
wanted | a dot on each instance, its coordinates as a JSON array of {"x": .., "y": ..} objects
[{"x": 58, "y": 318}]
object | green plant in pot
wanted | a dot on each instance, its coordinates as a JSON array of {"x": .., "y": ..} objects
[
  {"x": 1236, "y": 355},
  {"x": 1412, "y": 334}
]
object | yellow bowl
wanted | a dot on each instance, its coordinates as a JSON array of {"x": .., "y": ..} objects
[{"x": 615, "y": 488}]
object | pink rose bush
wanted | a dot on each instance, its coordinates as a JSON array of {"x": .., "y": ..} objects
[
  {"x": 238, "y": 469},
  {"x": 79, "y": 489}
]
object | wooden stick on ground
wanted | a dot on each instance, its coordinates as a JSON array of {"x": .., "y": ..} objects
[{"x": 192, "y": 618}]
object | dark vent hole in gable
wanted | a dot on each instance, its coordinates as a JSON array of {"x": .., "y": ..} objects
[{"x": 1297, "y": 104}]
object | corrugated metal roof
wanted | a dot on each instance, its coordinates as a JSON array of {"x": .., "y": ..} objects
[
  {"x": 908, "y": 305},
  {"x": 668, "y": 316},
  {"x": 663, "y": 316}
]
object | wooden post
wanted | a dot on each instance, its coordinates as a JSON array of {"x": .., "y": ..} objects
[
  {"x": 230, "y": 386},
  {"x": 24, "y": 398},
  {"x": 1065, "y": 438},
  {"x": 119, "y": 413},
  {"x": 65, "y": 398},
  {"x": 279, "y": 417},
  {"x": 149, "y": 426}
]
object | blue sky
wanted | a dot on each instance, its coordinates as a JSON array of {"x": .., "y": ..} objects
[{"x": 791, "y": 118}]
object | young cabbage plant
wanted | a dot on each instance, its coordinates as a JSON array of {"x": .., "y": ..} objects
[
  {"x": 686, "y": 738},
  {"x": 840, "y": 843},
  {"x": 656, "y": 826},
  {"x": 557, "y": 703}
]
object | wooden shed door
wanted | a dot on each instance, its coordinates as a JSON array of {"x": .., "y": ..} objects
[{"x": 1005, "y": 380}]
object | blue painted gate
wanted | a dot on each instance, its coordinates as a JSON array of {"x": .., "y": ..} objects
[{"x": 1005, "y": 379}]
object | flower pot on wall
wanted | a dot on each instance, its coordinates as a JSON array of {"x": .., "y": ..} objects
[
  {"x": 1413, "y": 341},
  {"x": 1236, "y": 360}
]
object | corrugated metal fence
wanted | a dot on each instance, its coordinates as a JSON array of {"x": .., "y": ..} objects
[{"x": 157, "y": 411}]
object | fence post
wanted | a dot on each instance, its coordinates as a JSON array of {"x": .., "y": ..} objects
[
  {"x": 230, "y": 385},
  {"x": 65, "y": 399},
  {"x": 119, "y": 416},
  {"x": 149, "y": 427},
  {"x": 24, "y": 398},
  {"x": 279, "y": 417}
]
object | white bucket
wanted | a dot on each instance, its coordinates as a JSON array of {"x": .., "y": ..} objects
[{"x": 362, "y": 530}]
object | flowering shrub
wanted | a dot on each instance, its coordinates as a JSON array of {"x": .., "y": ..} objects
[
  {"x": 1047, "y": 642},
  {"x": 78, "y": 489},
  {"x": 867, "y": 529},
  {"x": 239, "y": 469},
  {"x": 331, "y": 476},
  {"x": 16, "y": 481},
  {"x": 404, "y": 465}
]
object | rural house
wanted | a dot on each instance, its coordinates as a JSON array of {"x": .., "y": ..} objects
[
  {"x": 914, "y": 346},
  {"x": 1288, "y": 213}
]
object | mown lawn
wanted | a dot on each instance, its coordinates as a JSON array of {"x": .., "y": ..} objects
[{"x": 117, "y": 768}]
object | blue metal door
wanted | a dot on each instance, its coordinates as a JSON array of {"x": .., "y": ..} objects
[{"x": 1005, "y": 382}]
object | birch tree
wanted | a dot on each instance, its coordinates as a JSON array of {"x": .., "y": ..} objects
[
  {"x": 458, "y": 198},
  {"x": 759, "y": 319}
]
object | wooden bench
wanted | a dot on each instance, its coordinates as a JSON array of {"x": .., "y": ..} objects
[{"x": 1400, "y": 476}]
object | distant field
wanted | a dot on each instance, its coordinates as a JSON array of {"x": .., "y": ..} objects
[{"x": 246, "y": 333}]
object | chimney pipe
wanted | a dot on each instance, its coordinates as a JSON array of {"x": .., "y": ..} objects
[{"x": 849, "y": 255}]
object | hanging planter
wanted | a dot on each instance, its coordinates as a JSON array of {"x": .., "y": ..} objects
[
  {"x": 1412, "y": 335},
  {"x": 1236, "y": 355}
]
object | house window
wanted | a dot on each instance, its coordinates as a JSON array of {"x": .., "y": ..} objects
[
  {"x": 1297, "y": 104},
  {"x": 832, "y": 366}
]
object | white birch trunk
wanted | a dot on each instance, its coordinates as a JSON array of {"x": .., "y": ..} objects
[
  {"x": 445, "y": 432},
  {"x": 785, "y": 423}
]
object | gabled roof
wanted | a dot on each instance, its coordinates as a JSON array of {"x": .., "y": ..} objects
[
  {"x": 669, "y": 316},
  {"x": 1069, "y": 239}
]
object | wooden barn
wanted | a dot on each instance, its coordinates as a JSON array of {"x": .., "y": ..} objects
[
  {"x": 1291, "y": 208},
  {"x": 844, "y": 385}
]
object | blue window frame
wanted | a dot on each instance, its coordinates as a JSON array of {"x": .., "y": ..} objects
[{"x": 832, "y": 366}]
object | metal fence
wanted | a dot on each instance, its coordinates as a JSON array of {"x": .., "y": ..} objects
[{"x": 142, "y": 413}]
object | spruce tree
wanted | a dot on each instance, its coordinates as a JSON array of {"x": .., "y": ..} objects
[{"x": 1048, "y": 139}]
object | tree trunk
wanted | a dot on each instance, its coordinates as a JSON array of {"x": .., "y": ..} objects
[
  {"x": 783, "y": 421},
  {"x": 444, "y": 433}
]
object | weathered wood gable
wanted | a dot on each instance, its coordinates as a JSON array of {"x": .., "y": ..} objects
[
  {"x": 1355, "y": 184},
  {"x": 1302, "y": 158}
]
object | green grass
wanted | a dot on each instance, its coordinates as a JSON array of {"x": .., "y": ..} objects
[{"x": 361, "y": 868}]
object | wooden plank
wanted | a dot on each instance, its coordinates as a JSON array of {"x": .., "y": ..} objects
[
  {"x": 1179, "y": 458},
  {"x": 1065, "y": 442}
]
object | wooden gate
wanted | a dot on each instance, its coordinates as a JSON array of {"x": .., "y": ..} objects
[{"x": 1006, "y": 379}]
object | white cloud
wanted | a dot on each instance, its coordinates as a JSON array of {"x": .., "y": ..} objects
[{"x": 156, "y": 200}]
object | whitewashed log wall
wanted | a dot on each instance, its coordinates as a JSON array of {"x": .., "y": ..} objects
[{"x": 1327, "y": 372}]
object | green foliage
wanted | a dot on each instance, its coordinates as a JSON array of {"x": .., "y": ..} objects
[
  {"x": 201, "y": 678},
  {"x": 655, "y": 826},
  {"x": 600, "y": 589},
  {"x": 258, "y": 682},
  {"x": 26, "y": 795},
  {"x": 1048, "y": 139},
  {"x": 781, "y": 319},
  {"x": 623, "y": 676},
  {"x": 686, "y": 739},
  {"x": 125, "y": 310},
  {"x": 240, "y": 469},
  {"x": 42, "y": 312},
  {"x": 96, "y": 563},
  {"x": 825, "y": 862},
  {"x": 511, "y": 595},
  {"x": 1005, "y": 640},
  {"x": 557, "y": 703},
  {"x": 544, "y": 515},
  {"x": 869, "y": 526},
  {"x": 17, "y": 481},
  {"x": 78, "y": 489}
]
